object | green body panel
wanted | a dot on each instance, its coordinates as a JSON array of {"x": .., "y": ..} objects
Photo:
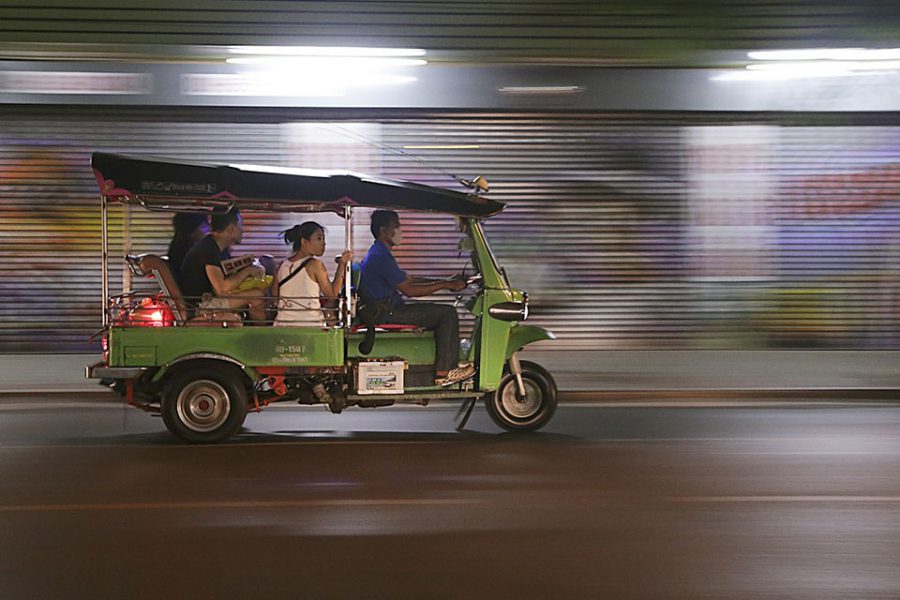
[
  {"x": 415, "y": 348},
  {"x": 251, "y": 346},
  {"x": 493, "y": 337}
]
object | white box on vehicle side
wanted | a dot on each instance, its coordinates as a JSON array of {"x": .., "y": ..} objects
[{"x": 380, "y": 377}]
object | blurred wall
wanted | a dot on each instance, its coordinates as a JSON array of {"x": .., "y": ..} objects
[{"x": 629, "y": 230}]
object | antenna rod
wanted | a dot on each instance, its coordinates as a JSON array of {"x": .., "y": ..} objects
[{"x": 360, "y": 137}]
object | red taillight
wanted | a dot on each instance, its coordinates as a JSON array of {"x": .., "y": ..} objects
[
  {"x": 104, "y": 343},
  {"x": 151, "y": 313}
]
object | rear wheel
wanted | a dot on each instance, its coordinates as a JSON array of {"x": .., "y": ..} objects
[
  {"x": 205, "y": 402},
  {"x": 527, "y": 414}
]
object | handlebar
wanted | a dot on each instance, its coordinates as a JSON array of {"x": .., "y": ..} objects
[{"x": 474, "y": 279}]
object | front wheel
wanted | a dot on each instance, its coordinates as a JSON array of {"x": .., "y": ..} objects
[
  {"x": 530, "y": 413},
  {"x": 205, "y": 402}
]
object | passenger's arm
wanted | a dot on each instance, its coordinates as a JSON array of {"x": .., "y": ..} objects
[
  {"x": 225, "y": 285},
  {"x": 330, "y": 289},
  {"x": 320, "y": 275}
]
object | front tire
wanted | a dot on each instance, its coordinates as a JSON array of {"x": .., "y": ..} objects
[
  {"x": 540, "y": 400},
  {"x": 205, "y": 402}
]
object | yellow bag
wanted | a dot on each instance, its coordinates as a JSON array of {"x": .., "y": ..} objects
[{"x": 255, "y": 283}]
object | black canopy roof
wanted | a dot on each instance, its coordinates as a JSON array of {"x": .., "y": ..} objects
[{"x": 167, "y": 183}]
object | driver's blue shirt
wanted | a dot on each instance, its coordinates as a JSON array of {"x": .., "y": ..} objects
[{"x": 379, "y": 276}]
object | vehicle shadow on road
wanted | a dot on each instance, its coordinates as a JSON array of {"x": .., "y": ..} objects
[
  {"x": 374, "y": 437},
  {"x": 327, "y": 436}
]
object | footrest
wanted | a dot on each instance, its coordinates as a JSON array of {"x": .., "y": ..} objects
[{"x": 359, "y": 327}]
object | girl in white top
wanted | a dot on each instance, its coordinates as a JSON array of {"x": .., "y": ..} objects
[{"x": 298, "y": 298}]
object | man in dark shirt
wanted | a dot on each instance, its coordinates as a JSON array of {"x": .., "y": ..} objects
[
  {"x": 382, "y": 281},
  {"x": 202, "y": 274}
]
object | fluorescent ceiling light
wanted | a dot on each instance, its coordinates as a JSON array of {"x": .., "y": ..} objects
[
  {"x": 324, "y": 51},
  {"x": 443, "y": 147},
  {"x": 320, "y": 70},
  {"x": 361, "y": 62},
  {"x": 541, "y": 89},
  {"x": 841, "y": 54},
  {"x": 782, "y": 70}
]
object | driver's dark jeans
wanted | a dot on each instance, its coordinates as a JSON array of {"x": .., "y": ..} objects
[{"x": 440, "y": 318}]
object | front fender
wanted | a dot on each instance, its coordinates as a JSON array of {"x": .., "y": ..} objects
[{"x": 522, "y": 335}]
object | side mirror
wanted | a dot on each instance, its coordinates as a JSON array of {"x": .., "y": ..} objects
[{"x": 481, "y": 184}]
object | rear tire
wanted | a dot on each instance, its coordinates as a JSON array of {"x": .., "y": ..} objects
[
  {"x": 538, "y": 407},
  {"x": 205, "y": 402}
]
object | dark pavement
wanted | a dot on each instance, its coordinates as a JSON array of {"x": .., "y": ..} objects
[{"x": 98, "y": 501}]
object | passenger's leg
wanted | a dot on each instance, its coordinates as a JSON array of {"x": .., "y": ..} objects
[
  {"x": 254, "y": 301},
  {"x": 440, "y": 318},
  {"x": 257, "y": 307}
]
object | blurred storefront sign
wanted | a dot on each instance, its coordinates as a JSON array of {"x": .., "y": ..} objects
[{"x": 451, "y": 86}]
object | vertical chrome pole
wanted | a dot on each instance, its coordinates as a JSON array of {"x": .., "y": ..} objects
[
  {"x": 126, "y": 247},
  {"x": 348, "y": 269},
  {"x": 104, "y": 258}
]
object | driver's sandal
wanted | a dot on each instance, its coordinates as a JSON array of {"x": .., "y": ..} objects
[{"x": 457, "y": 375}]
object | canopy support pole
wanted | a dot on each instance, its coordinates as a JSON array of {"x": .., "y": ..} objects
[
  {"x": 104, "y": 259},
  {"x": 126, "y": 248},
  {"x": 348, "y": 268}
]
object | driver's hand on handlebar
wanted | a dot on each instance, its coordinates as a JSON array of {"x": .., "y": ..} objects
[{"x": 456, "y": 285}]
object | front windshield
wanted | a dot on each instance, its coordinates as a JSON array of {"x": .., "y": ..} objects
[{"x": 477, "y": 230}]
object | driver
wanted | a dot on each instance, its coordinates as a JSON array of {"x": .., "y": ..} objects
[{"x": 381, "y": 283}]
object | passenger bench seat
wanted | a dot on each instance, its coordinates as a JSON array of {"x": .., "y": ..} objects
[{"x": 152, "y": 265}]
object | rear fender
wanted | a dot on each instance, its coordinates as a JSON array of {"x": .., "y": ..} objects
[{"x": 250, "y": 372}]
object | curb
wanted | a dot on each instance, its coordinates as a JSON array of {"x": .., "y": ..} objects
[
  {"x": 760, "y": 394},
  {"x": 655, "y": 396}
]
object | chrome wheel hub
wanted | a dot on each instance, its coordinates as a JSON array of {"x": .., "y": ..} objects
[
  {"x": 525, "y": 408},
  {"x": 203, "y": 405}
]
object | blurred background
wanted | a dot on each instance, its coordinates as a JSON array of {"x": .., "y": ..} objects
[
  {"x": 703, "y": 202},
  {"x": 683, "y": 176}
]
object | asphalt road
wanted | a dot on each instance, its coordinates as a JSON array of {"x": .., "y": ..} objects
[{"x": 98, "y": 501}]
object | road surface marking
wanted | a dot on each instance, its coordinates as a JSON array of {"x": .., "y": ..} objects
[
  {"x": 230, "y": 504},
  {"x": 286, "y": 442},
  {"x": 772, "y": 499}
]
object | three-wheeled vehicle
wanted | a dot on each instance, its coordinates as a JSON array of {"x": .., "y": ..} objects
[{"x": 203, "y": 373}]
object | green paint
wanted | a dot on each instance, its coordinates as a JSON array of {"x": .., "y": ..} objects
[
  {"x": 416, "y": 348},
  {"x": 256, "y": 346}
]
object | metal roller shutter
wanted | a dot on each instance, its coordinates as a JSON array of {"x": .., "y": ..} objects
[{"x": 628, "y": 230}]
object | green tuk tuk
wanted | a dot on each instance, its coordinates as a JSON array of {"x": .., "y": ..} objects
[{"x": 204, "y": 373}]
